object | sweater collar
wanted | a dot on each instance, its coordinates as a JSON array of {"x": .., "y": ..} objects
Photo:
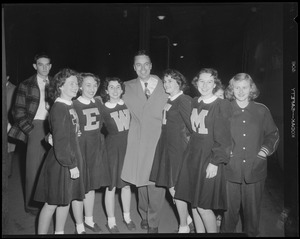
[
  {"x": 67, "y": 102},
  {"x": 85, "y": 101},
  {"x": 209, "y": 100},
  {"x": 175, "y": 96},
  {"x": 113, "y": 105}
]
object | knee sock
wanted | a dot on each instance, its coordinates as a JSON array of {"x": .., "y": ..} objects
[
  {"x": 80, "y": 228},
  {"x": 111, "y": 221},
  {"x": 189, "y": 219},
  {"x": 89, "y": 221},
  {"x": 127, "y": 217}
]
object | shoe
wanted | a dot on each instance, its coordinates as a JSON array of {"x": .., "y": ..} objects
[
  {"x": 130, "y": 226},
  {"x": 79, "y": 233},
  {"x": 144, "y": 224},
  {"x": 114, "y": 229},
  {"x": 153, "y": 230},
  {"x": 192, "y": 228},
  {"x": 96, "y": 228},
  {"x": 185, "y": 229}
]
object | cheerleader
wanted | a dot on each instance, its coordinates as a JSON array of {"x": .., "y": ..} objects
[
  {"x": 61, "y": 180},
  {"x": 176, "y": 129},
  {"x": 201, "y": 181},
  {"x": 116, "y": 121},
  {"x": 91, "y": 144}
]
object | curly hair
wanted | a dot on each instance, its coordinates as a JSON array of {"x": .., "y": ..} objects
[
  {"x": 254, "y": 92},
  {"x": 104, "y": 94},
  {"x": 214, "y": 74},
  {"x": 176, "y": 75},
  {"x": 83, "y": 75},
  {"x": 59, "y": 80}
]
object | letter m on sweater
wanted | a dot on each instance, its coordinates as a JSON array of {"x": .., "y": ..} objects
[{"x": 198, "y": 121}]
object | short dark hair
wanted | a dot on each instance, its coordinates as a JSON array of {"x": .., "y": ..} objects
[
  {"x": 142, "y": 53},
  {"x": 105, "y": 96},
  {"x": 41, "y": 55},
  {"x": 176, "y": 75}
]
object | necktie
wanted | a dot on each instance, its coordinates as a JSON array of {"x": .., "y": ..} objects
[{"x": 147, "y": 91}]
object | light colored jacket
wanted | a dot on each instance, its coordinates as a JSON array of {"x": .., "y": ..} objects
[{"x": 144, "y": 131}]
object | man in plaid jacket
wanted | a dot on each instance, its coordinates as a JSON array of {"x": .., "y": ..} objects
[{"x": 30, "y": 111}]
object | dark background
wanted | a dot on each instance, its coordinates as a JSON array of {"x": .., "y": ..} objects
[{"x": 101, "y": 38}]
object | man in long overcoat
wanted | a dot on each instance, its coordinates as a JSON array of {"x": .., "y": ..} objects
[{"x": 145, "y": 98}]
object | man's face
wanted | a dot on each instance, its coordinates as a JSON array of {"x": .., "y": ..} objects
[
  {"x": 42, "y": 67},
  {"x": 142, "y": 66}
]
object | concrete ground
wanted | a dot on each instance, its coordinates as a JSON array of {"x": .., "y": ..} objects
[{"x": 24, "y": 224}]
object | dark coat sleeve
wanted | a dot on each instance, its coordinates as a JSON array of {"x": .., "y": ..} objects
[
  {"x": 20, "y": 114},
  {"x": 222, "y": 136},
  {"x": 271, "y": 134}
]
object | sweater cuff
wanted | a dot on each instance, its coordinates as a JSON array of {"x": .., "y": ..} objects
[{"x": 265, "y": 150}]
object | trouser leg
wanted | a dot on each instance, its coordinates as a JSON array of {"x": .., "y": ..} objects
[
  {"x": 156, "y": 202},
  {"x": 231, "y": 215},
  {"x": 251, "y": 203},
  {"x": 34, "y": 158},
  {"x": 143, "y": 201}
]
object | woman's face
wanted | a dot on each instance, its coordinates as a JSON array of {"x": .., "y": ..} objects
[
  {"x": 114, "y": 90},
  {"x": 89, "y": 87},
  {"x": 241, "y": 90},
  {"x": 69, "y": 88},
  {"x": 220, "y": 93},
  {"x": 206, "y": 84},
  {"x": 171, "y": 86}
]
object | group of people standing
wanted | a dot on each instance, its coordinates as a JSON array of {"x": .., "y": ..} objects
[{"x": 208, "y": 152}]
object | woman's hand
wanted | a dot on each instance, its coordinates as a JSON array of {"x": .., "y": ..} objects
[
  {"x": 50, "y": 140},
  {"x": 74, "y": 173},
  {"x": 211, "y": 170}
]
